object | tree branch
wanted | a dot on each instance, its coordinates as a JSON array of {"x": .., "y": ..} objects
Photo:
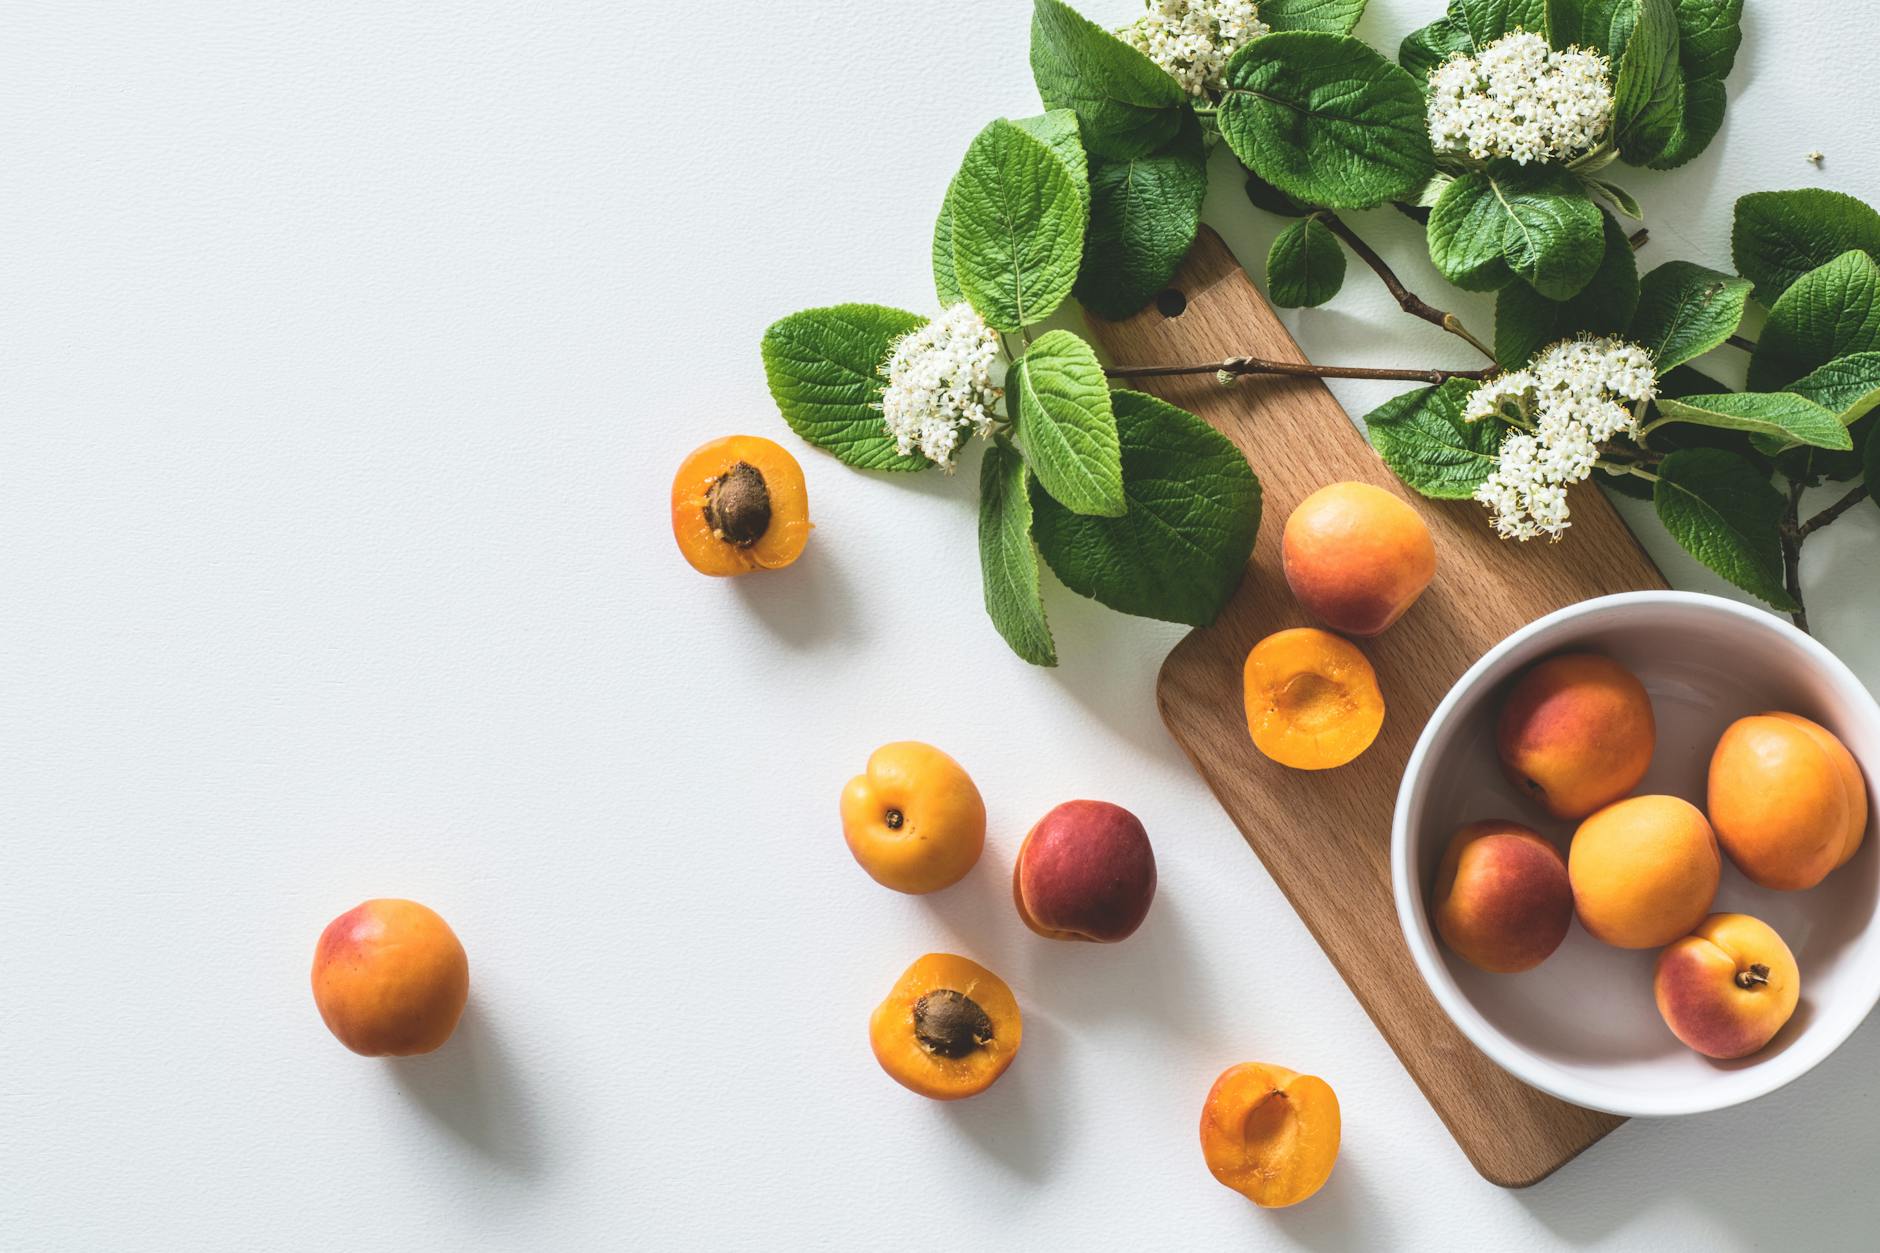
[
  {"x": 1296, "y": 369},
  {"x": 1407, "y": 300},
  {"x": 1639, "y": 238},
  {"x": 1832, "y": 512},
  {"x": 1791, "y": 535}
]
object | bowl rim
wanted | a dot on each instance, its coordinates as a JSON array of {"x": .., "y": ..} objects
[{"x": 1791, "y": 1064}]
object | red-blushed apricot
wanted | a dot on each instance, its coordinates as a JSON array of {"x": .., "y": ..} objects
[
  {"x": 1270, "y": 1134},
  {"x": 1781, "y": 802},
  {"x": 1356, "y": 557},
  {"x": 1085, "y": 872},
  {"x": 1576, "y": 733},
  {"x": 1503, "y": 902},
  {"x": 913, "y": 819},
  {"x": 1644, "y": 871},
  {"x": 1312, "y": 699},
  {"x": 739, "y": 504},
  {"x": 1728, "y": 987},
  {"x": 390, "y": 978},
  {"x": 1852, "y": 781},
  {"x": 948, "y": 1028}
]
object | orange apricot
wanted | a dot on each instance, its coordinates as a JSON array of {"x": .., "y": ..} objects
[
  {"x": 1576, "y": 733},
  {"x": 1852, "y": 782},
  {"x": 1728, "y": 987},
  {"x": 1644, "y": 871},
  {"x": 739, "y": 504},
  {"x": 390, "y": 978},
  {"x": 948, "y": 1029},
  {"x": 1270, "y": 1134},
  {"x": 913, "y": 819},
  {"x": 1356, "y": 556},
  {"x": 1780, "y": 802},
  {"x": 1312, "y": 699},
  {"x": 1503, "y": 902}
]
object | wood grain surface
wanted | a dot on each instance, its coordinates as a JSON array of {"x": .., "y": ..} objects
[{"x": 1325, "y": 835}]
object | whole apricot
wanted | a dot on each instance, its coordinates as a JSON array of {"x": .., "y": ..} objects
[
  {"x": 739, "y": 504},
  {"x": 1085, "y": 872},
  {"x": 390, "y": 978},
  {"x": 1312, "y": 699},
  {"x": 947, "y": 1029},
  {"x": 1781, "y": 801},
  {"x": 913, "y": 819},
  {"x": 1644, "y": 871},
  {"x": 1356, "y": 557},
  {"x": 1576, "y": 733},
  {"x": 1270, "y": 1134},
  {"x": 1728, "y": 987},
  {"x": 1853, "y": 782},
  {"x": 1503, "y": 902}
]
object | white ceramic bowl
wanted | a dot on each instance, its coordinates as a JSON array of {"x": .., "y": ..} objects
[{"x": 1583, "y": 1025}]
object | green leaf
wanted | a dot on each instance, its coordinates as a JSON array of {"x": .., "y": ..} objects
[
  {"x": 946, "y": 281},
  {"x": 1831, "y": 311},
  {"x": 1335, "y": 17},
  {"x": 1685, "y": 310},
  {"x": 1648, "y": 91},
  {"x": 1622, "y": 200},
  {"x": 1424, "y": 49},
  {"x": 1725, "y": 514},
  {"x": 1848, "y": 387},
  {"x": 1017, "y": 223},
  {"x": 1059, "y": 132},
  {"x": 1781, "y": 235},
  {"x": 1782, "y": 415},
  {"x": 1327, "y": 120},
  {"x": 1709, "y": 33},
  {"x": 1143, "y": 217},
  {"x": 824, "y": 367},
  {"x": 1129, "y": 105},
  {"x": 1305, "y": 266},
  {"x": 1062, "y": 420},
  {"x": 1526, "y": 322},
  {"x": 1264, "y": 195},
  {"x": 1007, "y": 560},
  {"x": 1422, "y": 436},
  {"x": 1193, "y": 510},
  {"x": 1467, "y": 27},
  {"x": 1534, "y": 222}
]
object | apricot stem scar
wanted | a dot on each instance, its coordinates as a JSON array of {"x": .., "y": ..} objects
[
  {"x": 894, "y": 818},
  {"x": 1754, "y": 977}
]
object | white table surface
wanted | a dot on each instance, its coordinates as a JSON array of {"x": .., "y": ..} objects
[{"x": 349, "y": 350}]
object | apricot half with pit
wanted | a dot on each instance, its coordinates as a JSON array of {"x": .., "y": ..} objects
[
  {"x": 1085, "y": 872},
  {"x": 913, "y": 819},
  {"x": 1787, "y": 800},
  {"x": 1576, "y": 733},
  {"x": 1312, "y": 699},
  {"x": 1728, "y": 987},
  {"x": 948, "y": 1029},
  {"x": 1356, "y": 557},
  {"x": 1270, "y": 1134},
  {"x": 390, "y": 978},
  {"x": 739, "y": 504}
]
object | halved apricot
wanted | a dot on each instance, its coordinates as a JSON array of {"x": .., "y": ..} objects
[
  {"x": 1270, "y": 1134},
  {"x": 739, "y": 504},
  {"x": 1312, "y": 699},
  {"x": 948, "y": 1029}
]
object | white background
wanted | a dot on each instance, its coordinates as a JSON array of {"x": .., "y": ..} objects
[{"x": 348, "y": 352}]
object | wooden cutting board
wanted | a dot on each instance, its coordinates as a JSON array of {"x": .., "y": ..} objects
[{"x": 1325, "y": 835}]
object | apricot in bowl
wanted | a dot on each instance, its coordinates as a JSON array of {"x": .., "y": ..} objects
[
  {"x": 1269, "y": 1133},
  {"x": 1312, "y": 699},
  {"x": 1085, "y": 872},
  {"x": 1644, "y": 871},
  {"x": 1576, "y": 733},
  {"x": 913, "y": 819},
  {"x": 1787, "y": 799},
  {"x": 739, "y": 504},
  {"x": 1502, "y": 900},
  {"x": 947, "y": 1029},
  {"x": 390, "y": 978},
  {"x": 1728, "y": 987},
  {"x": 1356, "y": 557}
]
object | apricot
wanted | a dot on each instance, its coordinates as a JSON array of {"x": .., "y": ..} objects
[
  {"x": 1787, "y": 800},
  {"x": 1503, "y": 901},
  {"x": 913, "y": 819},
  {"x": 1728, "y": 987},
  {"x": 739, "y": 504},
  {"x": 1270, "y": 1134},
  {"x": 1576, "y": 733},
  {"x": 948, "y": 1029},
  {"x": 1085, "y": 872},
  {"x": 1644, "y": 871},
  {"x": 1312, "y": 699},
  {"x": 1356, "y": 557},
  {"x": 390, "y": 978}
]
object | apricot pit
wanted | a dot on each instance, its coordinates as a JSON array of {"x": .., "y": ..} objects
[{"x": 948, "y": 1029}]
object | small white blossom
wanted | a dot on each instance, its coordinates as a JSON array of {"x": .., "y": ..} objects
[
  {"x": 1193, "y": 39},
  {"x": 1518, "y": 98},
  {"x": 940, "y": 384},
  {"x": 1571, "y": 398}
]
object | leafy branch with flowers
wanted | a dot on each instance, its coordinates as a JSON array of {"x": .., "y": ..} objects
[{"x": 1496, "y": 127}]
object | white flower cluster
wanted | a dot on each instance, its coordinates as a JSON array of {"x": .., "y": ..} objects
[
  {"x": 940, "y": 384},
  {"x": 1193, "y": 39},
  {"x": 1518, "y": 98},
  {"x": 1570, "y": 399}
]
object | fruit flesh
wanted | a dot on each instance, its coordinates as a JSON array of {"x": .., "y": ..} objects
[
  {"x": 1270, "y": 1134},
  {"x": 1312, "y": 699},
  {"x": 947, "y": 1029},
  {"x": 769, "y": 525}
]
